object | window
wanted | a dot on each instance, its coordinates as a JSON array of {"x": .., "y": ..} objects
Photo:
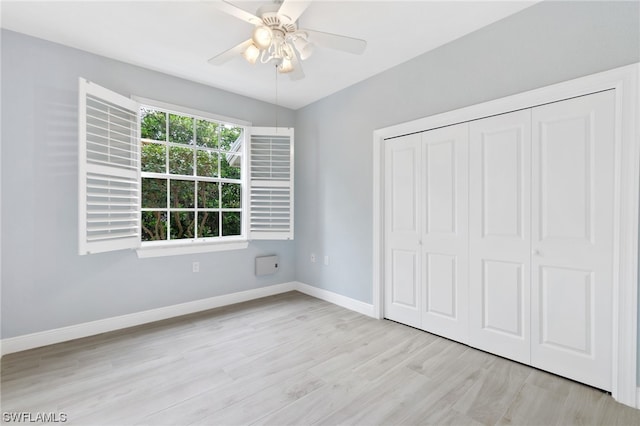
[
  {"x": 171, "y": 180},
  {"x": 192, "y": 177}
]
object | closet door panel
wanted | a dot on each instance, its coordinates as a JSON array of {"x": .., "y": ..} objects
[
  {"x": 439, "y": 160},
  {"x": 502, "y": 297},
  {"x": 565, "y": 298},
  {"x": 444, "y": 238},
  {"x": 501, "y": 177},
  {"x": 441, "y": 297},
  {"x": 572, "y": 237},
  {"x": 499, "y": 234},
  {"x": 403, "y": 292}
]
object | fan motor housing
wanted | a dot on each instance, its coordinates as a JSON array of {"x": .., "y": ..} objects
[{"x": 271, "y": 18}]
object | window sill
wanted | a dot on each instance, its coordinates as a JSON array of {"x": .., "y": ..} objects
[{"x": 193, "y": 248}]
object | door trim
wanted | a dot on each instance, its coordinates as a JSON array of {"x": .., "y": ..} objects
[{"x": 624, "y": 81}]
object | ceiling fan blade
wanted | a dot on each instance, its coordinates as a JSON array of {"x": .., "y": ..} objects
[
  {"x": 230, "y": 54},
  {"x": 293, "y": 8},
  {"x": 297, "y": 73},
  {"x": 337, "y": 42},
  {"x": 233, "y": 10}
]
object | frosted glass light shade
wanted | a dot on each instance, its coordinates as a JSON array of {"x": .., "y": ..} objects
[
  {"x": 286, "y": 66},
  {"x": 251, "y": 54},
  {"x": 262, "y": 36},
  {"x": 304, "y": 48}
]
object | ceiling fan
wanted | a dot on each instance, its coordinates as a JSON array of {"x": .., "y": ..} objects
[{"x": 277, "y": 39}]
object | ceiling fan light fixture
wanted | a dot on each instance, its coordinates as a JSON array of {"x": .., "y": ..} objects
[
  {"x": 276, "y": 38},
  {"x": 262, "y": 36},
  {"x": 251, "y": 54}
]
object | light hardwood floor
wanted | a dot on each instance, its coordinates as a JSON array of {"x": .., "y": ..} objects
[{"x": 290, "y": 359}]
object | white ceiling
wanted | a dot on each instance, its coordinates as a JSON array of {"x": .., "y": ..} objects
[{"x": 178, "y": 37}]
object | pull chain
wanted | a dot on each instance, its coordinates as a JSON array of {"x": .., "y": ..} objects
[{"x": 276, "y": 69}]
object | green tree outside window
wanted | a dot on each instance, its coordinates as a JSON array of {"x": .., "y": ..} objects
[{"x": 191, "y": 177}]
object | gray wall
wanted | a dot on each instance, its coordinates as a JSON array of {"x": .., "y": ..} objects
[
  {"x": 544, "y": 44},
  {"x": 45, "y": 284}
]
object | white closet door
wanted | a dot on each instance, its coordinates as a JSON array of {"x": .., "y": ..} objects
[
  {"x": 499, "y": 234},
  {"x": 572, "y": 237},
  {"x": 403, "y": 292},
  {"x": 444, "y": 198}
]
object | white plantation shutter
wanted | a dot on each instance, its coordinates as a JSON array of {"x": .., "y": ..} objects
[
  {"x": 271, "y": 183},
  {"x": 109, "y": 170}
]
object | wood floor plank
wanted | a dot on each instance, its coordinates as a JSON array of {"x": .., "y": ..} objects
[
  {"x": 455, "y": 391},
  {"x": 265, "y": 401},
  {"x": 395, "y": 357},
  {"x": 380, "y": 401},
  {"x": 290, "y": 359},
  {"x": 584, "y": 406},
  {"x": 501, "y": 384},
  {"x": 314, "y": 407},
  {"x": 533, "y": 399}
]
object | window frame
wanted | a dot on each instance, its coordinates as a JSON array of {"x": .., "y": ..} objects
[{"x": 198, "y": 244}]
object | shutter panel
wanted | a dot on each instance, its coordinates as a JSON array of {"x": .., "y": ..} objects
[
  {"x": 271, "y": 183},
  {"x": 108, "y": 170}
]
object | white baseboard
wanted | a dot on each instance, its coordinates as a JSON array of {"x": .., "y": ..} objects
[
  {"x": 336, "y": 299},
  {"x": 58, "y": 335}
]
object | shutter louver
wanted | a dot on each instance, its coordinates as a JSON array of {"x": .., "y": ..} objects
[
  {"x": 109, "y": 170},
  {"x": 271, "y": 184}
]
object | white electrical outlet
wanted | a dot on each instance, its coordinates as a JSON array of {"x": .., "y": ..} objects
[
  {"x": 195, "y": 266},
  {"x": 313, "y": 258},
  {"x": 326, "y": 261}
]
